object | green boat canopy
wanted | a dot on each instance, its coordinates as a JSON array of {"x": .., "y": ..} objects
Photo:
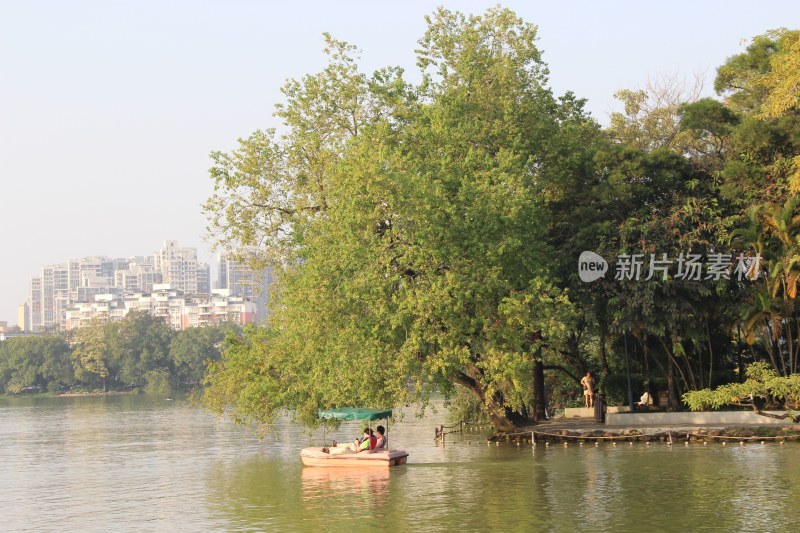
[{"x": 355, "y": 413}]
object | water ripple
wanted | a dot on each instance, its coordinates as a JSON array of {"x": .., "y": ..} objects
[{"x": 143, "y": 464}]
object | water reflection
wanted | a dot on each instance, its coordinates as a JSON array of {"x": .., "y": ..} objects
[
  {"x": 143, "y": 464},
  {"x": 370, "y": 485}
]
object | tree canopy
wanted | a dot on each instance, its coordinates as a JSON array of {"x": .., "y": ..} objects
[
  {"x": 425, "y": 236},
  {"x": 139, "y": 351}
]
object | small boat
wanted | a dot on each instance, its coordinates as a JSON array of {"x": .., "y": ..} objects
[
  {"x": 384, "y": 458},
  {"x": 340, "y": 456}
]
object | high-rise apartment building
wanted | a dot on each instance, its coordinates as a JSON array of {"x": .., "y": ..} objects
[
  {"x": 35, "y": 304},
  {"x": 139, "y": 275},
  {"x": 24, "y": 317},
  {"x": 54, "y": 295},
  {"x": 242, "y": 280},
  {"x": 203, "y": 278},
  {"x": 179, "y": 268},
  {"x": 83, "y": 280}
]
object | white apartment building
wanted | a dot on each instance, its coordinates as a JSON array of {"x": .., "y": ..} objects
[
  {"x": 242, "y": 280},
  {"x": 178, "y": 310},
  {"x": 203, "y": 278},
  {"x": 106, "y": 307},
  {"x": 35, "y": 305},
  {"x": 179, "y": 268},
  {"x": 24, "y": 317},
  {"x": 62, "y": 286},
  {"x": 139, "y": 276}
]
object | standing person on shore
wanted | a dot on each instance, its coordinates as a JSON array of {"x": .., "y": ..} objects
[{"x": 588, "y": 389}]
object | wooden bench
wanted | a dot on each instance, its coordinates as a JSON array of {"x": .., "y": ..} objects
[{"x": 663, "y": 398}]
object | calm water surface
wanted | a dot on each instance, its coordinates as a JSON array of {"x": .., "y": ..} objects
[{"x": 139, "y": 463}]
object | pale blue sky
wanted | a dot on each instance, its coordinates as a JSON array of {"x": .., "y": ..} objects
[{"x": 108, "y": 109}]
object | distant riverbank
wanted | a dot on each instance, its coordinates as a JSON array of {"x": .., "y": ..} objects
[
  {"x": 109, "y": 393},
  {"x": 78, "y": 394}
]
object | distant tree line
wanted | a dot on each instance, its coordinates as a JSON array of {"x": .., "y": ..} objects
[{"x": 140, "y": 351}]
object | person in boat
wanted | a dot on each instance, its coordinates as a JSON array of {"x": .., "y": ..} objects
[
  {"x": 367, "y": 442},
  {"x": 381, "y": 441}
]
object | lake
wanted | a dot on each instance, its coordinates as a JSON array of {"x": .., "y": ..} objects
[{"x": 145, "y": 463}]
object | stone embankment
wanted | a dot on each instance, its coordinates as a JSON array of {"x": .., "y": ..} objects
[{"x": 723, "y": 435}]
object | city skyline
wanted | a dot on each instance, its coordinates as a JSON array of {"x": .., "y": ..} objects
[
  {"x": 110, "y": 110},
  {"x": 91, "y": 282}
]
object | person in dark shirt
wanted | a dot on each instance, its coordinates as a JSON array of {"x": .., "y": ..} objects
[{"x": 381, "y": 443}]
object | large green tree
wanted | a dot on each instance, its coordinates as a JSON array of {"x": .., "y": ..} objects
[
  {"x": 90, "y": 353},
  {"x": 135, "y": 345},
  {"x": 408, "y": 225},
  {"x": 425, "y": 236},
  {"x": 191, "y": 349},
  {"x": 755, "y": 133},
  {"x": 35, "y": 363}
]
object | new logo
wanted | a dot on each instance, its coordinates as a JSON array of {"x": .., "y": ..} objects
[{"x": 591, "y": 266}]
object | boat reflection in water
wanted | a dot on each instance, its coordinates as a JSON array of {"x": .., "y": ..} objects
[{"x": 368, "y": 484}]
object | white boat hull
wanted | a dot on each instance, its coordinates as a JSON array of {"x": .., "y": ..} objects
[{"x": 384, "y": 458}]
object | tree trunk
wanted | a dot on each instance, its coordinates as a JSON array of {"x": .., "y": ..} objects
[
  {"x": 770, "y": 415},
  {"x": 539, "y": 401},
  {"x": 671, "y": 389},
  {"x": 773, "y": 349},
  {"x": 503, "y": 419},
  {"x": 797, "y": 348},
  {"x": 603, "y": 356},
  {"x": 710, "y": 356},
  {"x": 572, "y": 354}
]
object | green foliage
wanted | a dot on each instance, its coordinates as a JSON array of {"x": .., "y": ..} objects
[
  {"x": 412, "y": 239},
  {"x": 136, "y": 344},
  {"x": 424, "y": 236},
  {"x": 138, "y": 351},
  {"x": 651, "y": 117},
  {"x": 34, "y": 364},
  {"x": 708, "y": 115},
  {"x": 615, "y": 389},
  {"x": 238, "y": 380},
  {"x": 763, "y": 386},
  {"x": 463, "y": 405},
  {"x": 782, "y": 80},
  {"x": 191, "y": 350},
  {"x": 90, "y": 352},
  {"x": 157, "y": 381},
  {"x": 738, "y": 79}
]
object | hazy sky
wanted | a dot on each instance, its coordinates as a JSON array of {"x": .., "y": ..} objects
[{"x": 109, "y": 109}]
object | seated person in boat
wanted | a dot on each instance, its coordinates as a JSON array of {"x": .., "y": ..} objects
[
  {"x": 367, "y": 442},
  {"x": 381, "y": 441}
]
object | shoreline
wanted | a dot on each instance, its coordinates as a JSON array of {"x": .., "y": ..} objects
[
  {"x": 667, "y": 434},
  {"x": 85, "y": 394},
  {"x": 90, "y": 394}
]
